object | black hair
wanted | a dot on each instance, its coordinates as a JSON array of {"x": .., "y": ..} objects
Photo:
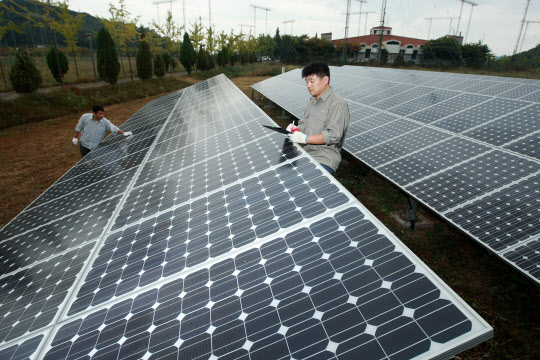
[
  {"x": 316, "y": 68},
  {"x": 97, "y": 108}
]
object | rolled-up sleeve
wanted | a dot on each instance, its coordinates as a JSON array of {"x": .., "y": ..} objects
[
  {"x": 338, "y": 117},
  {"x": 80, "y": 124}
]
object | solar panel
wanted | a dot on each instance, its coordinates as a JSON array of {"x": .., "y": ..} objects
[
  {"x": 225, "y": 240},
  {"x": 466, "y": 146}
]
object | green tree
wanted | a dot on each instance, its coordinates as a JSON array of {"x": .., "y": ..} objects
[
  {"x": 222, "y": 40},
  {"x": 442, "y": 51},
  {"x": 266, "y": 45},
  {"x": 144, "y": 61},
  {"x": 166, "y": 60},
  {"x": 196, "y": 34},
  {"x": 277, "y": 41},
  {"x": 211, "y": 40},
  {"x": 475, "y": 55},
  {"x": 188, "y": 56},
  {"x": 69, "y": 25},
  {"x": 5, "y": 26},
  {"x": 223, "y": 57},
  {"x": 287, "y": 51},
  {"x": 51, "y": 64},
  {"x": 152, "y": 38},
  {"x": 159, "y": 66},
  {"x": 123, "y": 30},
  {"x": 204, "y": 60},
  {"x": 43, "y": 19},
  {"x": 107, "y": 60},
  {"x": 170, "y": 32},
  {"x": 24, "y": 76}
]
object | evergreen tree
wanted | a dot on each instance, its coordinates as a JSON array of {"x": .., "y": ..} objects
[
  {"x": 223, "y": 57},
  {"x": 24, "y": 76},
  {"x": 188, "y": 56},
  {"x": 159, "y": 66},
  {"x": 107, "y": 60},
  {"x": 144, "y": 61},
  {"x": 51, "y": 63},
  {"x": 277, "y": 41},
  {"x": 166, "y": 60},
  {"x": 204, "y": 60}
]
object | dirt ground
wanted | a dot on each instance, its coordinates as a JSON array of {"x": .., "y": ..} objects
[{"x": 34, "y": 156}]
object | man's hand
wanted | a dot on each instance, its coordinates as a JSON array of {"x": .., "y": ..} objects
[
  {"x": 75, "y": 141},
  {"x": 292, "y": 128},
  {"x": 128, "y": 133},
  {"x": 298, "y": 137}
]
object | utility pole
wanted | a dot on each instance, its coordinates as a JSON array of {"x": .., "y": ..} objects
[
  {"x": 255, "y": 7},
  {"x": 360, "y": 15},
  {"x": 285, "y": 27},
  {"x": 346, "y": 30},
  {"x": 184, "y": 13},
  {"x": 157, "y": 2},
  {"x": 525, "y": 32},
  {"x": 58, "y": 68},
  {"x": 521, "y": 28},
  {"x": 469, "y": 24},
  {"x": 460, "y": 11},
  {"x": 383, "y": 14},
  {"x": 440, "y": 18},
  {"x": 242, "y": 27}
]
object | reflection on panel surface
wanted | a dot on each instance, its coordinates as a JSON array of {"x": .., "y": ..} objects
[
  {"x": 453, "y": 141},
  {"x": 214, "y": 237}
]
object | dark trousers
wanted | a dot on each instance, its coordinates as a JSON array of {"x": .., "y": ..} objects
[
  {"x": 84, "y": 151},
  {"x": 328, "y": 168}
]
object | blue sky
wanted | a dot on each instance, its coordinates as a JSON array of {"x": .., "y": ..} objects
[{"x": 496, "y": 22}]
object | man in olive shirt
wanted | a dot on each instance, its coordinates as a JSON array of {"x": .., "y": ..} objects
[{"x": 326, "y": 118}]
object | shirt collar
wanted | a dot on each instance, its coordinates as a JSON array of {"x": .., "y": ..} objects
[{"x": 325, "y": 95}]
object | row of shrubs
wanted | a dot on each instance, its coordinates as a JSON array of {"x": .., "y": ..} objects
[{"x": 71, "y": 100}]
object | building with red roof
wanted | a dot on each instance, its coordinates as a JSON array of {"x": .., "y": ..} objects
[{"x": 410, "y": 48}]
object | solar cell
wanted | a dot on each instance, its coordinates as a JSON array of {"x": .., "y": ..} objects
[
  {"x": 526, "y": 257},
  {"x": 25, "y": 349},
  {"x": 484, "y": 121},
  {"x": 335, "y": 287},
  {"x": 228, "y": 243}
]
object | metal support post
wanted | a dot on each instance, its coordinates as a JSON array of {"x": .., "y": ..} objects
[{"x": 413, "y": 207}]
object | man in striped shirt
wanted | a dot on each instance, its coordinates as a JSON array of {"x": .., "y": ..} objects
[{"x": 93, "y": 127}]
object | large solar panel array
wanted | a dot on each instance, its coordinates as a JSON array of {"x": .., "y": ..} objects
[
  {"x": 208, "y": 236},
  {"x": 466, "y": 146}
]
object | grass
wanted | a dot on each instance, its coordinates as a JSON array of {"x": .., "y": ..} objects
[
  {"x": 84, "y": 64},
  {"x": 71, "y": 100},
  {"x": 33, "y": 156}
]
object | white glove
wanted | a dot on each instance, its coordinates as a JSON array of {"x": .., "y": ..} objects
[
  {"x": 298, "y": 137},
  {"x": 75, "y": 141},
  {"x": 292, "y": 128},
  {"x": 128, "y": 133}
]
